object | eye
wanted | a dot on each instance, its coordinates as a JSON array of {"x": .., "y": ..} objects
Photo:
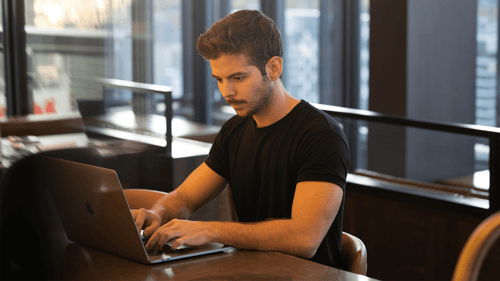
[
  {"x": 238, "y": 78},
  {"x": 218, "y": 80}
]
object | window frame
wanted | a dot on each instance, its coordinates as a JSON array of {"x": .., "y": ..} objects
[{"x": 14, "y": 42}]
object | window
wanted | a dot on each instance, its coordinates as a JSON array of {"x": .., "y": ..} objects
[
  {"x": 486, "y": 62},
  {"x": 327, "y": 51},
  {"x": 443, "y": 60},
  {"x": 168, "y": 45},
  {"x": 301, "y": 49},
  {"x": 364, "y": 81},
  {"x": 237, "y": 5},
  {"x": 68, "y": 45},
  {"x": 364, "y": 57},
  {"x": 486, "y": 74}
]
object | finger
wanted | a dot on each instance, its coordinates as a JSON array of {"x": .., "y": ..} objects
[
  {"x": 167, "y": 237},
  {"x": 148, "y": 231},
  {"x": 134, "y": 213},
  {"x": 170, "y": 223},
  {"x": 140, "y": 218},
  {"x": 153, "y": 240},
  {"x": 177, "y": 243}
]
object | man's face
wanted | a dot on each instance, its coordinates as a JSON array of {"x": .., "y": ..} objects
[{"x": 241, "y": 84}]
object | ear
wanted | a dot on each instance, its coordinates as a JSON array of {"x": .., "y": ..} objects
[{"x": 274, "y": 67}]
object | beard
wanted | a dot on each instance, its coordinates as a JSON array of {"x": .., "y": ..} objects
[{"x": 263, "y": 93}]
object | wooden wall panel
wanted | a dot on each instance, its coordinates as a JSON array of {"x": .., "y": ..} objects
[{"x": 412, "y": 241}]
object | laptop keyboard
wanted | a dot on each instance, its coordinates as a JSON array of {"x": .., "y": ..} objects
[{"x": 153, "y": 252}]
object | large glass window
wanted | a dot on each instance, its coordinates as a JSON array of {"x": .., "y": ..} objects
[
  {"x": 486, "y": 62},
  {"x": 168, "y": 45},
  {"x": 68, "y": 45},
  {"x": 237, "y": 5},
  {"x": 301, "y": 47},
  {"x": 451, "y": 76},
  {"x": 486, "y": 74},
  {"x": 364, "y": 57},
  {"x": 364, "y": 80}
]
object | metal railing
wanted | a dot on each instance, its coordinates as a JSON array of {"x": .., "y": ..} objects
[
  {"x": 491, "y": 133},
  {"x": 143, "y": 88}
]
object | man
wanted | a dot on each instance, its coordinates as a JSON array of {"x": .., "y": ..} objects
[{"x": 285, "y": 161}]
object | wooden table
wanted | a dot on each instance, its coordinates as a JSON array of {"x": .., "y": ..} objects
[
  {"x": 53, "y": 257},
  {"x": 83, "y": 263},
  {"x": 40, "y": 125}
]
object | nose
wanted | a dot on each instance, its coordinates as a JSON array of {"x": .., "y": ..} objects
[{"x": 227, "y": 90}]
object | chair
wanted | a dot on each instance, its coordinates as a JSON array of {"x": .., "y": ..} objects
[
  {"x": 353, "y": 254},
  {"x": 477, "y": 246},
  {"x": 142, "y": 198}
]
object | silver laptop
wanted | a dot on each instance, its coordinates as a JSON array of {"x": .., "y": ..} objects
[{"x": 94, "y": 212}]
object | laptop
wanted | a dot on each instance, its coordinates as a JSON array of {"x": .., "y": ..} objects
[{"x": 94, "y": 212}]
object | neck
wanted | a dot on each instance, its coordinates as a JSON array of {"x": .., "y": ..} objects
[{"x": 278, "y": 106}]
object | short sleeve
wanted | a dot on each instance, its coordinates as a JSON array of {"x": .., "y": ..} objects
[
  {"x": 215, "y": 159},
  {"x": 324, "y": 157}
]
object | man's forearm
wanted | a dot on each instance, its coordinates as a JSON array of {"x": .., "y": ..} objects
[
  {"x": 171, "y": 206},
  {"x": 284, "y": 236}
]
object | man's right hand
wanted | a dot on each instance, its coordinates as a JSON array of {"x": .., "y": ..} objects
[{"x": 147, "y": 220}]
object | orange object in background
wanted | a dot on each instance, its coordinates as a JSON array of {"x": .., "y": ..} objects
[
  {"x": 36, "y": 108},
  {"x": 3, "y": 110},
  {"x": 50, "y": 105}
]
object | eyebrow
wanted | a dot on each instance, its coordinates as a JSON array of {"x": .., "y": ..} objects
[{"x": 230, "y": 76}]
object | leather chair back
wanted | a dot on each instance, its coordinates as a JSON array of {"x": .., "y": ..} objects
[
  {"x": 353, "y": 254},
  {"x": 142, "y": 198}
]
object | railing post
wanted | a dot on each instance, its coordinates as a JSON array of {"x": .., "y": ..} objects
[
  {"x": 19, "y": 101},
  {"x": 494, "y": 191},
  {"x": 168, "y": 121}
]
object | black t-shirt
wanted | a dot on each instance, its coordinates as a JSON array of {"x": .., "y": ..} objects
[{"x": 264, "y": 165}]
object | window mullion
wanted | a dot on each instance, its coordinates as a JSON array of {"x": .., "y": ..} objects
[
  {"x": 18, "y": 99},
  {"x": 202, "y": 18}
]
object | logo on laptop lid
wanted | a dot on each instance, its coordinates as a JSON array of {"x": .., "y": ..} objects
[{"x": 89, "y": 207}]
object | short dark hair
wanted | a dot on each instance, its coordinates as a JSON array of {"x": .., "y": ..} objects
[{"x": 246, "y": 32}]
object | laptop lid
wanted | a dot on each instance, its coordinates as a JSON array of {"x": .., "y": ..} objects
[{"x": 94, "y": 212}]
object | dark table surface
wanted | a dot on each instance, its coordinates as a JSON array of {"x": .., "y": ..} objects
[
  {"x": 54, "y": 257},
  {"x": 83, "y": 263}
]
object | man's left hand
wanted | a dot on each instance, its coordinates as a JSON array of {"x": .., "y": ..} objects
[{"x": 184, "y": 232}]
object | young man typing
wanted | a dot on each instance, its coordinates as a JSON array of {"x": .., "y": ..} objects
[{"x": 285, "y": 161}]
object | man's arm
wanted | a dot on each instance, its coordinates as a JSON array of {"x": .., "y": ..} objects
[
  {"x": 202, "y": 185},
  {"x": 315, "y": 206}
]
